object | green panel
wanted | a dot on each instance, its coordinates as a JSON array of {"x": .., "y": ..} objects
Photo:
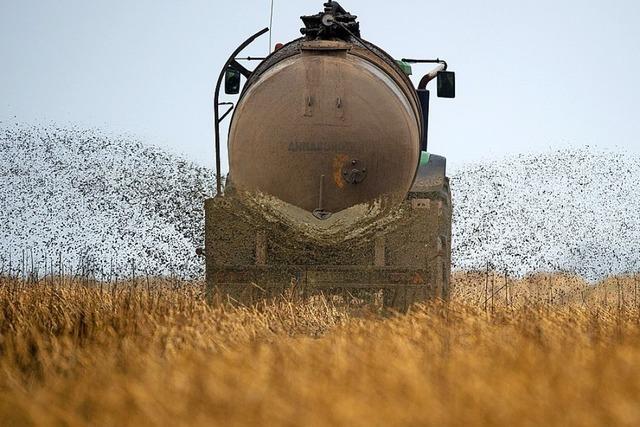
[
  {"x": 406, "y": 68},
  {"x": 424, "y": 158}
]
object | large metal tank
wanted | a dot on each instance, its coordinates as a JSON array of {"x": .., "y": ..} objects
[
  {"x": 326, "y": 125},
  {"x": 330, "y": 188}
]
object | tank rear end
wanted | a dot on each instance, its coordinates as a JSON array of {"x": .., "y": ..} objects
[
  {"x": 326, "y": 126},
  {"x": 330, "y": 190}
]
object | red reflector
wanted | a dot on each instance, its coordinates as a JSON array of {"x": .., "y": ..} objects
[{"x": 278, "y": 46}]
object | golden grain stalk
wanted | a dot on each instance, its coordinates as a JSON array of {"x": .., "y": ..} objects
[{"x": 549, "y": 351}]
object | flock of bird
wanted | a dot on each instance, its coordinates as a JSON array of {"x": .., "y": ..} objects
[
  {"x": 93, "y": 203},
  {"x": 87, "y": 202},
  {"x": 570, "y": 210}
]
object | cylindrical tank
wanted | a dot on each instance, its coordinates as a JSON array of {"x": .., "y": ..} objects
[{"x": 325, "y": 125}]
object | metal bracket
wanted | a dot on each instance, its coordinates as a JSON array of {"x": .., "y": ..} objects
[
  {"x": 442, "y": 66},
  {"x": 355, "y": 172},
  {"x": 226, "y": 113},
  {"x": 216, "y": 103},
  {"x": 243, "y": 70}
]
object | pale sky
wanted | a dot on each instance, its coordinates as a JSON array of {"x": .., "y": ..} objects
[{"x": 530, "y": 75}]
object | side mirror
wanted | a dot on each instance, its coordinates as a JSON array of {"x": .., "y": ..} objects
[
  {"x": 446, "y": 84},
  {"x": 232, "y": 81}
]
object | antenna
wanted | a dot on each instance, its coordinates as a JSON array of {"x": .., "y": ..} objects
[{"x": 270, "y": 28}]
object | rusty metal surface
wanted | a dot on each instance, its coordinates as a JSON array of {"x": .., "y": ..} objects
[
  {"x": 431, "y": 176},
  {"x": 250, "y": 254},
  {"x": 323, "y": 276},
  {"x": 312, "y": 114}
]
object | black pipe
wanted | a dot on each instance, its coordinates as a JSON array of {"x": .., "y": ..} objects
[{"x": 423, "y": 96}]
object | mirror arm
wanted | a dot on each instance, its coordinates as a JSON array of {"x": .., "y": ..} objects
[
  {"x": 431, "y": 75},
  {"x": 251, "y": 58},
  {"x": 442, "y": 66},
  {"x": 216, "y": 104},
  {"x": 426, "y": 61},
  {"x": 238, "y": 66}
]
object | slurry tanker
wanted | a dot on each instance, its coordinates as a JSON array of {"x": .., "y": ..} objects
[{"x": 331, "y": 189}]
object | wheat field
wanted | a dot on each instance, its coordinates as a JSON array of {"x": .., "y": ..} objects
[{"x": 547, "y": 350}]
